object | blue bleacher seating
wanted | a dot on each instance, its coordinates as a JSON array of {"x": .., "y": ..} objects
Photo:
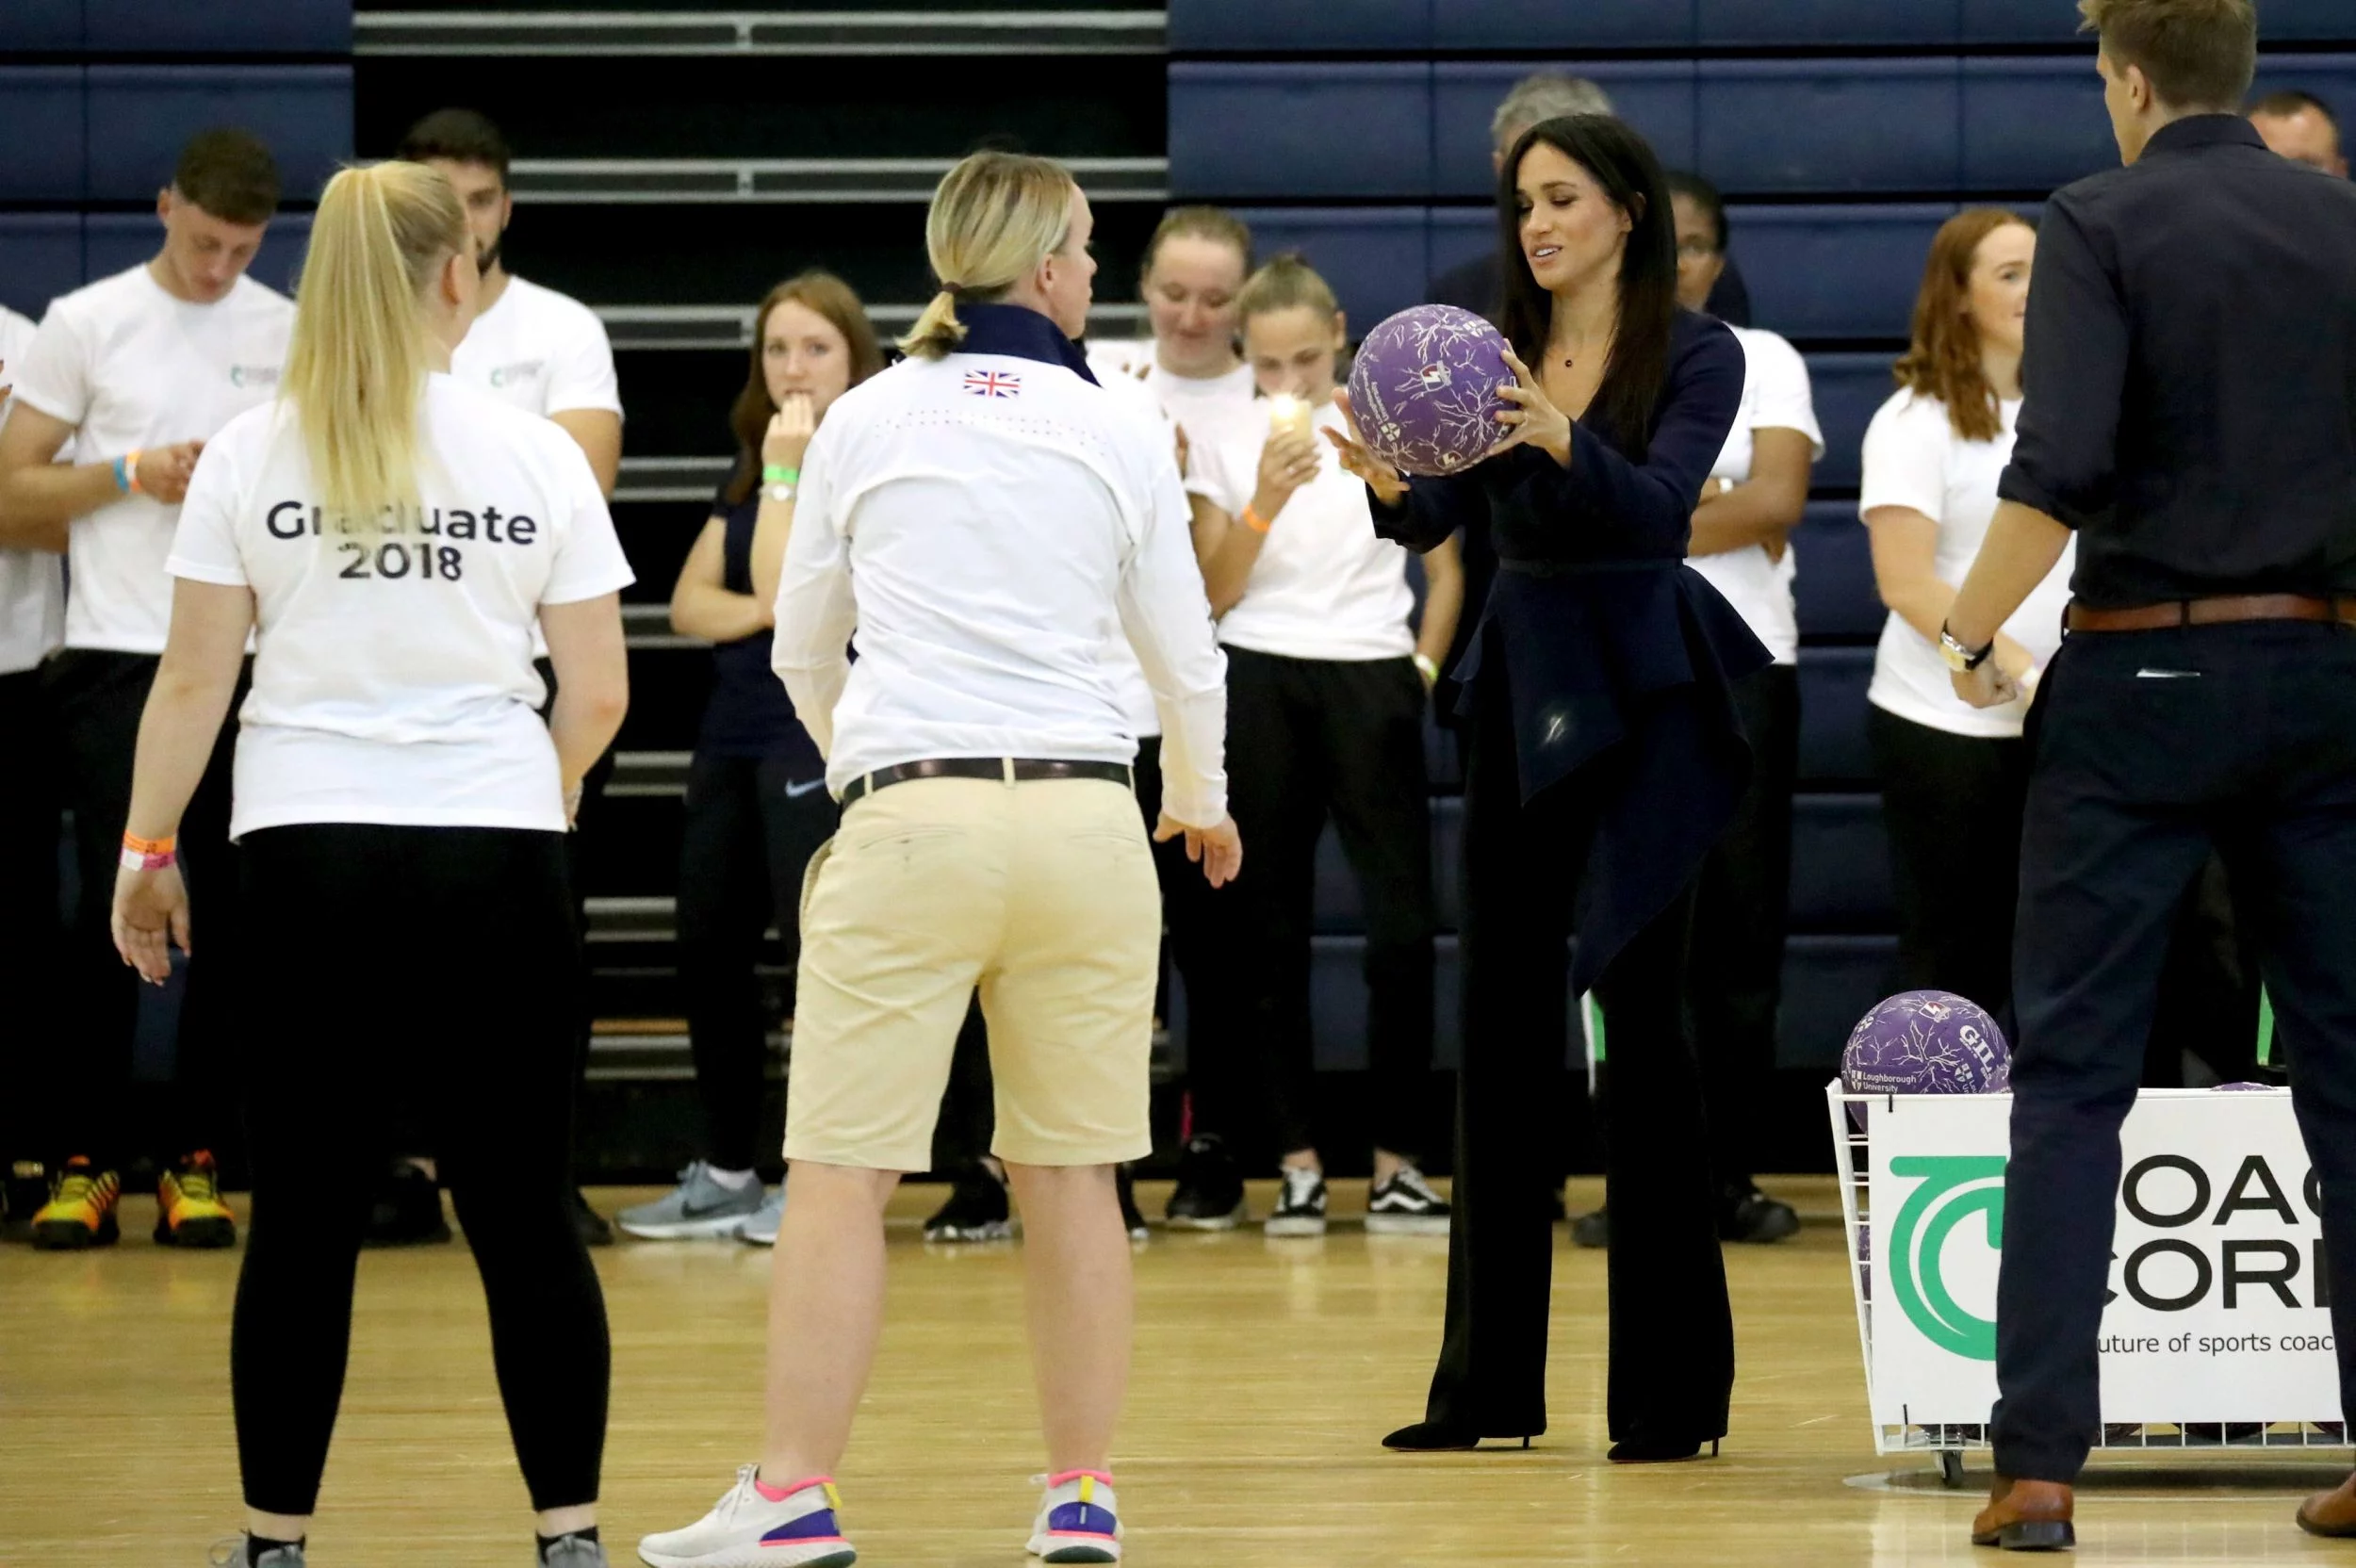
[
  {"x": 1840, "y": 864},
  {"x": 1655, "y": 96},
  {"x": 1375, "y": 257},
  {"x": 1292, "y": 130},
  {"x": 1828, "y": 983},
  {"x": 2329, "y": 78},
  {"x": 1459, "y": 233},
  {"x": 1799, "y": 127},
  {"x": 1849, "y": 388},
  {"x": 1298, "y": 25},
  {"x": 41, "y": 128},
  {"x": 41, "y": 24},
  {"x": 1526, "y": 25},
  {"x": 1835, "y": 271},
  {"x": 41, "y": 257},
  {"x": 1753, "y": 23},
  {"x": 1833, "y": 749},
  {"x": 1834, "y": 588},
  {"x": 113, "y": 241},
  {"x": 177, "y": 27},
  {"x": 141, "y": 115},
  {"x": 2034, "y": 124}
]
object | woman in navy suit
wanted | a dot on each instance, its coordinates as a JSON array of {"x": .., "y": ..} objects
[{"x": 1606, "y": 760}]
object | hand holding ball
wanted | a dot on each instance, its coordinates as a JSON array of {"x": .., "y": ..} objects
[{"x": 1425, "y": 389}]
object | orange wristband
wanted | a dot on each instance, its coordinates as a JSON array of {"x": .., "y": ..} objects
[
  {"x": 1252, "y": 520},
  {"x": 131, "y": 474},
  {"x": 148, "y": 854}
]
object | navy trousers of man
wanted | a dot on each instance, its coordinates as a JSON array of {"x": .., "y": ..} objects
[{"x": 2149, "y": 748}]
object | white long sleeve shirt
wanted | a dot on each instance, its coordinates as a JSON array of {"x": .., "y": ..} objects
[{"x": 983, "y": 522}]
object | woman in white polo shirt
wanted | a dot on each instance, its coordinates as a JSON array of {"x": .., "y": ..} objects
[
  {"x": 1953, "y": 778},
  {"x": 983, "y": 516},
  {"x": 391, "y": 537},
  {"x": 1327, "y": 683}
]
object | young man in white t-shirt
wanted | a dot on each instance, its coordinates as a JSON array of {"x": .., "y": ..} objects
[{"x": 123, "y": 385}]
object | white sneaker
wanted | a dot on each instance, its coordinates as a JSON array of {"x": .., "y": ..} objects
[
  {"x": 757, "y": 1526},
  {"x": 1078, "y": 1519},
  {"x": 760, "y": 1227}
]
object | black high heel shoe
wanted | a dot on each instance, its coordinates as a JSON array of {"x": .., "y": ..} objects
[
  {"x": 1437, "y": 1437},
  {"x": 1665, "y": 1450}
]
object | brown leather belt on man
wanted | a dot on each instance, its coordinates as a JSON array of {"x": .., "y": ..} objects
[
  {"x": 1014, "y": 770},
  {"x": 2219, "y": 611}
]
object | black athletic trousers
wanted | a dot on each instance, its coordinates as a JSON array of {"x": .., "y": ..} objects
[
  {"x": 1741, "y": 905},
  {"x": 2243, "y": 743},
  {"x": 450, "y": 952},
  {"x": 749, "y": 833},
  {"x": 97, "y": 696},
  {"x": 32, "y": 937},
  {"x": 1309, "y": 737},
  {"x": 1672, "y": 1333},
  {"x": 1952, "y": 805}
]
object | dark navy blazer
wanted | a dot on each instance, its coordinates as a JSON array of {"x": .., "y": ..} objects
[{"x": 1603, "y": 637}]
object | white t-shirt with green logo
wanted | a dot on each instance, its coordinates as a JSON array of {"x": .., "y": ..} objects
[
  {"x": 539, "y": 350},
  {"x": 129, "y": 367}
]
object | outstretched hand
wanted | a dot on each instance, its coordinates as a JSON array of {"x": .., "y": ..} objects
[
  {"x": 1387, "y": 482},
  {"x": 1218, "y": 849},
  {"x": 1533, "y": 420}
]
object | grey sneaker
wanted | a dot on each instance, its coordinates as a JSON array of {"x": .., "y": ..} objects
[
  {"x": 698, "y": 1206},
  {"x": 571, "y": 1551},
  {"x": 760, "y": 1227},
  {"x": 237, "y": 1553}
]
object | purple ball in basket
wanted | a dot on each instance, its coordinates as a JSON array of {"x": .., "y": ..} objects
[
  {"x": 1424, "y": 388},
  {"x": 1926, "y": 1042}
]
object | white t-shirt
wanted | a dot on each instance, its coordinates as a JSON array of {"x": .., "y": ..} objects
[
  {"x": 129, "y": 367},
  {"x": 1914, "y": 458},
  {"x": 32, "y": 582},
  {"x": 1324, "y": 585},
  {"x": 539, "y": 350},
  {"x": 1775, "y": 396},
  {"x": 393, "y": 679}
]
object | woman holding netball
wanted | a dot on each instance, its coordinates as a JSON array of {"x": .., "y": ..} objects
[
  {"x": 1606, "y": 760},
  {"x": 390, "y": 537}
]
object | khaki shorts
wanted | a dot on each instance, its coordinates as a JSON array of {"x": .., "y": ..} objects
[{"x": 1042, "y": 893}]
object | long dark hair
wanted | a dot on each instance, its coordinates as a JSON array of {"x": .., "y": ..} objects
[
  {"x": 748, "y": 418},
  {"x": 1624, "y": 166}
]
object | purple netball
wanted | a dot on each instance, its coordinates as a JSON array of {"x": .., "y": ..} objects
[
  {"x": 1425, "y": 389},
  {"x": 1926, "y": 1042}
]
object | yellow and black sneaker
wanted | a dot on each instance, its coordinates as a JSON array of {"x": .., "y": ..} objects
[
  {"x": 189, "y": 1210},
  {"x": 81, "y": 1209}
]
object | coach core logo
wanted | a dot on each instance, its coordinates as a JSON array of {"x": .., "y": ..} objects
[
  {"x": 523, "y": 370},
  {"x": 1954, "y": 1188},
  {"x": 253, "y": 375}
]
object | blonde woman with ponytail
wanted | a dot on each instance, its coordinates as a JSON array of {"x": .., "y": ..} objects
[
  {"x": 390, "y": 538},
  {"x": 984, "y": 517}
]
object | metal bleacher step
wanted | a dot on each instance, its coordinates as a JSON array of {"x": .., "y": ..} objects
[
  {"x": 607, "y": 181},
  {"x": 911, "y": 31},
  {"x": 684, "y": 327}
]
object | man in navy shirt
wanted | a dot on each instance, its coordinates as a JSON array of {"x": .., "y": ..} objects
[{"x": 2191, "y": 387}]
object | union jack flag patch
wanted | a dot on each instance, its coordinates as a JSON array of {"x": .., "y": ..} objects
[{"x": 993, "y": 383}]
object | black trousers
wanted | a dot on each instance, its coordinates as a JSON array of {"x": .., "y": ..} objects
[
  {"x": 1307, "y": 738},
  {"x": 2153, "y": 749},
  {"x": 97, "y": 697},
  {"x": 1672, "y": 1331},
  {"x": 451, "y": 949},
  {"x": 32, "y": 935},
  {"x": 1952, "y": 805},
  {"x": 1741, "y": 905},
  {"x": 749, "y": 833}
]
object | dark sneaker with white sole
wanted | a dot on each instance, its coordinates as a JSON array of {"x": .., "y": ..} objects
[
  {"x": 1747, "y": 1214},
  {"x": 1209, "y": 1194},
  {"x": 1132, "y": 1218},
  {"x": 1406, "y": 1206},
  {"x": 977, "y": 1210},
  {"x": 1300, "y": 1204}
]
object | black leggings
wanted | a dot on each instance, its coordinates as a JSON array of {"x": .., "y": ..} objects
[{"x": 453, "y": 948}]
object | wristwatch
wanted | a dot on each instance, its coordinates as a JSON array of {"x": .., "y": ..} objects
[
  {"x": 778, "y": 492},
  {"x": 1963, "y": 660}
]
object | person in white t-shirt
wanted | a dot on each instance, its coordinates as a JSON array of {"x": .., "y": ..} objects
[
  {"x": 1742, "y": 542},
  {"x": 1327, "y": 680},
  {"x": 1953, "y": 778},
  {"x": 119, "y": 391},
  {"x": 391, "y": 537}
]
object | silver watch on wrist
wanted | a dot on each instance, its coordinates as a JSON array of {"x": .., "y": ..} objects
[{"x": 778, "y": 492}]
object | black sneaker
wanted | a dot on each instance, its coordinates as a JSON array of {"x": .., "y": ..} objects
[
  {"x": 1747, "y": 1214},
  {"x": 22, "y": 1195},
  {"x": 1131, "y": 1220},
  {"x": 1592, "y": 1230},
  {"x": 591, "y": 1225},
  {"x": 407, "y": 1211},
  {"x": 977, "y": 1210},
  {"x": 1406, "y": 1205},
  {"x": 1209, "y": 1195},
  {"x": 1300, "y": 1204}
]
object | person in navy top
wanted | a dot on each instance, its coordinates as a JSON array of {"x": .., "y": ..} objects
[
  {"x": 1606, "y": 760},
  {"x": 757, "y": 802}
]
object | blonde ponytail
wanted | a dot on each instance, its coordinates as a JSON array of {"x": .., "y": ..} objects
[
  {"x": 994, "y": 217},
  {"x": 359, "y": 355}
]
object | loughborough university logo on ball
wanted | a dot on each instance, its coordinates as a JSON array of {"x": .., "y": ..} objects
[{"x": 1424, "y": 389}]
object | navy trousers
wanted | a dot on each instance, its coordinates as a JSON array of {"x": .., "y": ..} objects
[{"x": 2149, "y": 750}]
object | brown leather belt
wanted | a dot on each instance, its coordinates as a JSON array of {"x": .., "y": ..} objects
[
  {"x": 1012, "y": 770},
  {"x": 2219, "y": 611}
]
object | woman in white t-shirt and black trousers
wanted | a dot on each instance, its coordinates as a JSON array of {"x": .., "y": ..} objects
[
  {"x": 391, "y": 537},
  {"x": 1327, "y": 683},
  {"x": 1954, "y": 778}
]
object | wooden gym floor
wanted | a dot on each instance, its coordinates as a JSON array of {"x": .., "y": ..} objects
[{"x": 1265, "y": 1371}]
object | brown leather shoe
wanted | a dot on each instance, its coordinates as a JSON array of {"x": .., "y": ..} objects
[
  {"x": 2330, "y": 1512},
  {"x": 2029, "y": 1517}
]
